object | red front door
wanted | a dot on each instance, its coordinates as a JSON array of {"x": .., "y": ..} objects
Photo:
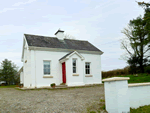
[{"x": 64, "y": 72}]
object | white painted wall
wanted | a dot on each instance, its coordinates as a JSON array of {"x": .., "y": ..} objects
[
  {"x": 120, "y": 96},
  {"x": 74, "y": 80},
  {"x": 116, "y": 96},
  {"x": 27, "y": 66},
  {"x": 60, "y": 35},
  {"x": 139, "y": 96},
  {"x": 56, "y": 67},
  {"x": 21, "y": 78},
  {"x": 81, "y": 79},
  {"x": 95, "y": 68},
  {"x": 33, "y": 69}
]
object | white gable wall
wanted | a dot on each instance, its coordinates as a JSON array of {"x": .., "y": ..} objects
[{"x": 27, "y": 66}]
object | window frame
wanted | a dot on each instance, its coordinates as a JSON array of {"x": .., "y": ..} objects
[
  {"x": 49, "y": 68},
  {"x": 75, "y": 66},
  {"x": 90, "y": 72}
]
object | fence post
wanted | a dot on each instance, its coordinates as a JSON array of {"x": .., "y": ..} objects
[{"x": 116, "y": 95}]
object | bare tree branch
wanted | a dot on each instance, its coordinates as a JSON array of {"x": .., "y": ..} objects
[
  {"x": 68, "y": 36},
  {"x": 147, "y": 50},
  {"x": 125, "y": 47}
]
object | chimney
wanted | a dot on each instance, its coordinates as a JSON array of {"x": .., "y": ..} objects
[{"x": 60, "y": 34}]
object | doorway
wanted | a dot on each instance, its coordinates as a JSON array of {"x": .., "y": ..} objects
[{"x": 64, "y": 72}]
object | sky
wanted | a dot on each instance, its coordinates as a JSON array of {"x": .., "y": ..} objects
[{"x": 98, "y": 21}]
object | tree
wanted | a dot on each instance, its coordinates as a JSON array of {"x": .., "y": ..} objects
[
  {"x": 134, "y": 64},
  {"x": 9, "y": 71},
  {"x": 136, "y": 43},
  {"x": 146, "y": 18}
]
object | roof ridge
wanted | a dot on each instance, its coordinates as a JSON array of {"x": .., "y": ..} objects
[
  {"x": 39, "y": 35},
  {"x": 76, "y": 39}
]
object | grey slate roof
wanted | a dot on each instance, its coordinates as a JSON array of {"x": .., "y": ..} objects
[
  {"x": 53, "y": 42},
  {"x": 66, "y": 55}
]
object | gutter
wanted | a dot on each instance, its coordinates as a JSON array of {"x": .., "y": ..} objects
[{"x": 64, "y": 50}]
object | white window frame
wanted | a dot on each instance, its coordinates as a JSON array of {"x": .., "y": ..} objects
[
  {"x": 76, "y": 65},
  {"x": 50, "y": 68},
  {"x": 86, "y": 68}
]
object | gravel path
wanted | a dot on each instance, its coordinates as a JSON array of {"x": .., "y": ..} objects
[{"x": 74, "y": 100}]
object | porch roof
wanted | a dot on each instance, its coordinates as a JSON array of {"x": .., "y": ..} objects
[{"x": 66, "y": 55}]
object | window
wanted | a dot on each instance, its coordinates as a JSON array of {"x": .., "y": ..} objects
[
  {"x": 87, "y": 68},
  {"x": 46, "y": 67},
  {"x": 74, "y": 63}
]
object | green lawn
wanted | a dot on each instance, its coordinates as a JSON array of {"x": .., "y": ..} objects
[
  {"x": 137, "y": 79},
  {"x": 10, "y": 86},
  {"x": 143, "y": 109}
]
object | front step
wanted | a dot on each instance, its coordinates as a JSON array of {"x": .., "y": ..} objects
[{"x": 61, "y": 86}]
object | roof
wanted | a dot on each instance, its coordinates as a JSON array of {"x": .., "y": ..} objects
[
  {"x": 66, "y": 55},
  {"x": 53, "y": 42}
]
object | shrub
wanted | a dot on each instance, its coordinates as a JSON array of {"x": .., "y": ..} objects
[
  {"x": 103, "y": 107},
  {"x": 116, "y": 72},
  {"x": 147, "y": 69},
  {"x": 53, "y": 84}
]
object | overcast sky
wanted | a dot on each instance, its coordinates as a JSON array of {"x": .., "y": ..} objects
[{"x": 98, "y": 21}]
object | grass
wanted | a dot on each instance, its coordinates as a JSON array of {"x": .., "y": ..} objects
[
  {"x": 142, "y": 109},
  {"x": 10, "y": 86},
  {"x": 101, "y": 100},
  {"x": 137, "y": 79},
  {"x": 97, "y": 107}
]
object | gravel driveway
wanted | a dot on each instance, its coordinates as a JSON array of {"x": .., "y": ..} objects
[{"x": 74, "y": 100}]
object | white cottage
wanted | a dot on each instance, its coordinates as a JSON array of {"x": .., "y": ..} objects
[{"x": 57, "y": 60}]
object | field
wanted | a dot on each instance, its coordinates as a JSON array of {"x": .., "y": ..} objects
[
  {"x": 10, "y": 86},
  {"x": 137, "y": 79}
]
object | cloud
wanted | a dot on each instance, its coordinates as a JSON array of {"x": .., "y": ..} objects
[
  {"x": 8, "y": 9},
  {"x": 16, "y": 4},
  {"x": 21, "y": 3},
  {"x": 15, "y": 57},
  {"x": 9, "y": 55},
  {"x": 102, "y": 5},
  {"x": 10, "y": 29}
]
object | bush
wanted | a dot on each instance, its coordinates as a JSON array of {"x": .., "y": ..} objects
[
  {"x": 147, "y": 69},
  {"x": 116, "y": 72},
  {"x": 53, "y": 84}
]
